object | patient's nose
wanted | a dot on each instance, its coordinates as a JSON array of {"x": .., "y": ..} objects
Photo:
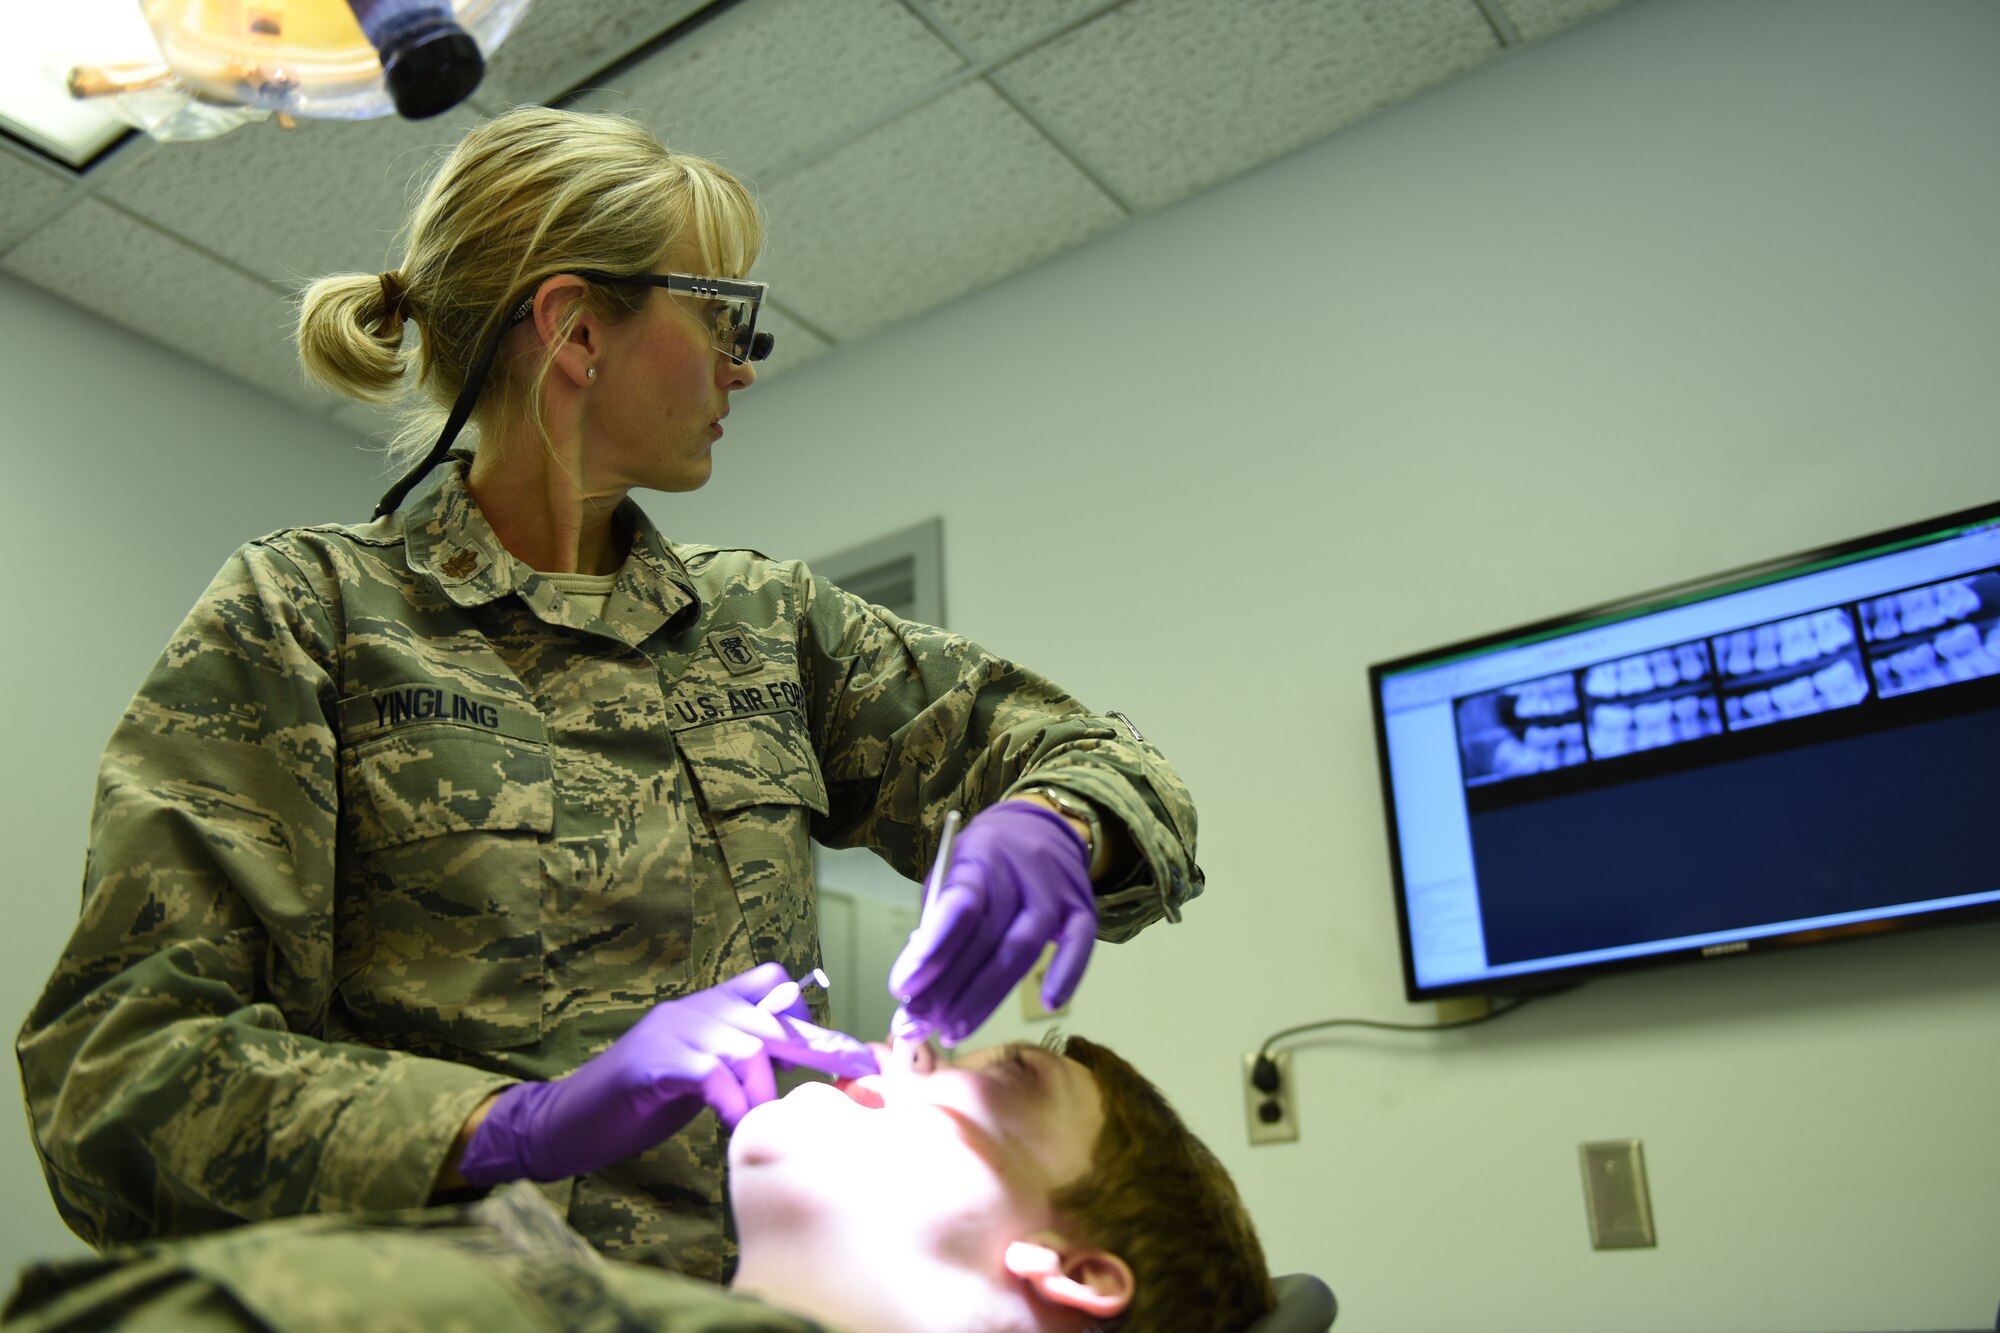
[{"x": 902, "y": 1056}]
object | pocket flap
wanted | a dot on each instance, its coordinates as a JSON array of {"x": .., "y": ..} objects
[
  {"x": 765, "y": 760},
  {"x": 423, "y": 781}
]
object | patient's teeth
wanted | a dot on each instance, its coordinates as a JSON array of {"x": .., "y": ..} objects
[
  {"x": 1886, "y": 624},
  {"x": 1610, "y": 729},
  {"x": 1920, "y": 610},
  {"x": 1666, "y": 673},
  {"x": 1794, "y": 645},
  {"x": 1767, "y": 648},
  {"x": 1601, "y": 681},
  {"x": 1795, "y": 697},
  {"x": 1632, "y": 677},
  {"x": 1654, "y": 724},
  {"x": 1958, "y": 641},
  {"x": 1840, "y": 683},
  {"x": 1741, "y": 663},
  {"x": 1831, "y": 632}
]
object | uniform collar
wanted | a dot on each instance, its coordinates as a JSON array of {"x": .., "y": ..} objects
[{"x": 450, "y": 541}]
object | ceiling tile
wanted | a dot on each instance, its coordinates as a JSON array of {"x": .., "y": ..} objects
[
  {"x": 292, "y": 205},
  {"x": 1539, "y": 18},
  {"x": 945, "y": 200},
  {"x": 560, "y": 43},
  {"x": 1166, "y": 97},
  {"x": 760, "y": 86},
  {"x": 150, "y": 283},
  {"x": 27, "y": 190},
  {"x": 793, "y": 344},
  {"x": 997, "y": 29}
]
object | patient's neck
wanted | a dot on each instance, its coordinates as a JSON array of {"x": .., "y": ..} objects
[{"x": 885, "y": 1294}]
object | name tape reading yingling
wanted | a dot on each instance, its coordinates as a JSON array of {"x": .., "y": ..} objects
[{"x": 429, "y": 703}]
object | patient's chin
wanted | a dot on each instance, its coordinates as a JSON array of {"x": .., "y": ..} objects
[{"x": 772, "y": 1131}]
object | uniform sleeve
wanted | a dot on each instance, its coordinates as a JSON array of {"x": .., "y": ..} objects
[
  {"x": 416, "y": 1269},
  {"x": 911, "y": 721},
  {"x": 173, "y": 1075}
]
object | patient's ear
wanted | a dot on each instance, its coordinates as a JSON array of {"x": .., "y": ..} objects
[{"x": 1096, "y": 1282}]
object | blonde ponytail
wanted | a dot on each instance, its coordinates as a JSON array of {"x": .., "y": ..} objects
[{"x": 350, "y": 335}]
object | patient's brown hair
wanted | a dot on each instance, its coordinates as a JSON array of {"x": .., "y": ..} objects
[{"x": 1159, "y": 1199}]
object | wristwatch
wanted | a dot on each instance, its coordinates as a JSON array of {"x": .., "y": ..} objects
[{"x": 1076, "y": 808}]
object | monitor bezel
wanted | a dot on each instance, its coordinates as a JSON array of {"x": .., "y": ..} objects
[{"x": 1692, "y": 590}]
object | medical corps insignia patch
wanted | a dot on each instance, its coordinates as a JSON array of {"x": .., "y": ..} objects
[{"x": 734, "y": 648}]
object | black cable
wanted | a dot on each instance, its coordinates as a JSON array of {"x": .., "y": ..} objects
[
  {"x": 1264, "y": 1051},
  {"x": 461, "y": 412}
]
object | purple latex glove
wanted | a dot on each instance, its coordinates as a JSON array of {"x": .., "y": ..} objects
[
  {"x": 712, "y": 1048},
  {"x": 1019, "y": 877}
]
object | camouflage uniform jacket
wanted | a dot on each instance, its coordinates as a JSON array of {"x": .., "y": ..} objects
[
  {"x": 422, "y": 1271},
  {"x": 393, "y": 823}
]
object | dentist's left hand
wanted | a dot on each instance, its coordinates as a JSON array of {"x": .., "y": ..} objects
[{"x": 713, "y": 1048}]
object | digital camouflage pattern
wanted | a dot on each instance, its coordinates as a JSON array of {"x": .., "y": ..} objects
[
  {"x": 439, "y": 1270},
  {"x": 394, "y": 822}
]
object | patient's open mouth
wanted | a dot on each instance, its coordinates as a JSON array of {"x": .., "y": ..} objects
[{"x": 861, "y": 1092}]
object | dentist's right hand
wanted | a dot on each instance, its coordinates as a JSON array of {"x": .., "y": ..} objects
[{"x": 713, "y": 1048}]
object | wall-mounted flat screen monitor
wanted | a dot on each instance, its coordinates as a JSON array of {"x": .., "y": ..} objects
[{"x": 1804, "y": 751}]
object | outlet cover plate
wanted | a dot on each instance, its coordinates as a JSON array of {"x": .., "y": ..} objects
[{"x": 1285, "y": 1129}]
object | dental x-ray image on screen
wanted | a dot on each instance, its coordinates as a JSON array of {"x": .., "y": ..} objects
[{"x": 1772, "y": 757}]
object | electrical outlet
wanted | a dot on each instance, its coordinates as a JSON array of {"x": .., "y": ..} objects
[
  {"x": 1031, "y": 990},
  {"x": 1273, "y": 1115}
]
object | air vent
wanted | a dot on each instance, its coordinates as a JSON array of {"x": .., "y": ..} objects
[{"x": 903, "y": 571}]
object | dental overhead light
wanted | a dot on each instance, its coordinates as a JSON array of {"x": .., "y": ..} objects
[{"x": 224, "y": 63}]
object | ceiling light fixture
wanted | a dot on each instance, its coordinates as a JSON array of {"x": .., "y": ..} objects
[
  {"x": 200, "y": 68},
  {"x": 43, "y": 42}
]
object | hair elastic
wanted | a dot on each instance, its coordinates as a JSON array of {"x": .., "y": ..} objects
[{"x": 392, "y": 298}]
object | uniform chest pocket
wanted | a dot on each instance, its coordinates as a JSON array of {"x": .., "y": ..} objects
[
  {"x": 439, "y": 927},
  {"x": 758, "y": 782}
]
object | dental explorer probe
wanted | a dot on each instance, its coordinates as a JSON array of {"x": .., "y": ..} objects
[{"x": 905, "y": 1053}]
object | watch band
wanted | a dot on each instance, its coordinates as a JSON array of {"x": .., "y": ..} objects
[{"x": 1076, "y": 808}]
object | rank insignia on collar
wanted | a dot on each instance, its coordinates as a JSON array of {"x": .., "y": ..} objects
[{"x": 733, "y": 646}]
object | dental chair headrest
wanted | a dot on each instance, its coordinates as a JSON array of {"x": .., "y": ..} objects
[{"x": 1305, "y": 1305}]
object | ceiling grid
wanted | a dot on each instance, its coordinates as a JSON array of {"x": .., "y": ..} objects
[{"x": 989, "y": 68}]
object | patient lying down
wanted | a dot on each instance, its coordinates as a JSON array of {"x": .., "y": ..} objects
[{"x": 1015, "y": 1188}]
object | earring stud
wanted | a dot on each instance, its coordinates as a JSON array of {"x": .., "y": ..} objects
[{"x": 591, "y": 373}]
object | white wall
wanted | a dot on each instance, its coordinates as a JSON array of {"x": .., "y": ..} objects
[
  {"x": 1695, "y": 285},
  {"x": 130, "y": 475},
  {"x": 1692, "y": 286}
]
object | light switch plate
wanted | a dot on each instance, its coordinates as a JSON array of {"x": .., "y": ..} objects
[{"x": 1615, "y": 1195}]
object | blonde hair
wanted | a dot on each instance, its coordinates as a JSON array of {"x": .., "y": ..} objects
[{"x": 528, "y": 194}]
